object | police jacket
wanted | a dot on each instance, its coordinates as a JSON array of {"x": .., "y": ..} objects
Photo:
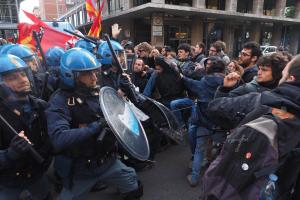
[
  {"x": 31, "y": 120},
  {"x": 110, "y": 79},
  {"x": 73, "y": 123}
]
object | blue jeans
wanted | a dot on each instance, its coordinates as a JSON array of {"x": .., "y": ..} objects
[
  {"x": 38, "y": 190},
  {"x": 150, "y": 85},
  {"x": 197, "y": 138},
  {"x": 180, "y": 104},
  {"x": 113, "y": 173}
]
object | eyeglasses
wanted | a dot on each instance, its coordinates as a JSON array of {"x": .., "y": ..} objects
[{"x": 245, "y": 54}]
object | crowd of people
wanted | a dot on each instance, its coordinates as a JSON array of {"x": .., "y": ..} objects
[{"x": 58, "y": 113}]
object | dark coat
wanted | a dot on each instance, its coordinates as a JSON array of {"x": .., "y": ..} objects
[
  {"x": 246, "y": 88},
  {"x": 228, "y": 112},
  {"x": 249, "y": 74},
  {"x": 33, "y": 123}
]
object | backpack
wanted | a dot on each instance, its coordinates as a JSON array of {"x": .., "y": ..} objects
[{"x": 256, "y": 148}]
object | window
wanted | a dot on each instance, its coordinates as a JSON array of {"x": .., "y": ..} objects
[
  {"x": 269, "y": 7},
  {"x": 244, "y": 6},
  {"x": 140, "y": 2},
  {"x": 215, "y": 4},
  {"x": 180, "y": 2}
]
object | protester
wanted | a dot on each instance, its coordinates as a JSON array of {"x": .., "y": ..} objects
[
  {"x": 234, "y": 66},
  {"x": 248, "y": 58},
  {"x": 269, "y": 73},
  {"x": 282, "y": 104},
  {"x": 200, "y": 126},
  {"x": 166, "y": 80},
  {"x": 199, "y": 52}
]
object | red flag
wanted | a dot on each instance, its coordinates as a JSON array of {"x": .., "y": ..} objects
[
  {"x": 91, "y": 8},
  {"x": 96, "y": 26},
  {"x": 51, "y": 37},
  {"x": 25, "y": 34}
]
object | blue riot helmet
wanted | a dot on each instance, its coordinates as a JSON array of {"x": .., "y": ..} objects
[
  {"x": 85, "y": 45},
  {"x": 15, "y": 77},
  {"x": 105, "y": 57},
  {"x": 53, "y": 56},
  {"x": 5, "y": 47},
  {"x": 28, "y": 56},
  {"x": 75, "y": 61}
]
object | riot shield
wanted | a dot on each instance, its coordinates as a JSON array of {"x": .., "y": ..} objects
[
  {"x": 124, "y": 123},
  {"x": 163, "y": 118}
]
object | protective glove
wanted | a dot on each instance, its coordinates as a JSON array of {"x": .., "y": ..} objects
[{"x": 17, "y": 147}]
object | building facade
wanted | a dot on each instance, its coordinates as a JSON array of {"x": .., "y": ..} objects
[
  {"x": 8, "y": 18},
  {"x": 171, "y": 22},
  {"x": 52, "y": 9}
]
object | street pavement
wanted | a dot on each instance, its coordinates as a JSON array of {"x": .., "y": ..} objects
[{"x": 166, "y": 181}]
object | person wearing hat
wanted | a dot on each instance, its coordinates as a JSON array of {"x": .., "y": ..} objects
[
  {"x": 166, "y": 80},
  {"x": 268, "y": 76}
]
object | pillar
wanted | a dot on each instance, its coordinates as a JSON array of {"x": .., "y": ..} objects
[
  {"x": 229, "y": 38},
  {"x": 231, "y": 5},
  {"x": 157, "y": 33},
  {"x": 258, "y": 6},
  {"x": 280, "y": 7},
  {"x": 197, "y": 31},
  {"x": 199, "y": 4},
  {"x": 294, "y": 40},
  {"x": 255, "y": 33},
  {"x": 127, "y": 4},
  {"x": 297, "y": 11},
  {"x": 276, "y": 35}
]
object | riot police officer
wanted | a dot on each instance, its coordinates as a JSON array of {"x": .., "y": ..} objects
[
  {"x": 53, "y": 56},
  {"x": 21, "y": 176},
  {"x": 33, "y": 61},
  {"x": 76, "y": 127},
  {"x": 110, "y": 74},
  {"x": 86, "y": 45}
]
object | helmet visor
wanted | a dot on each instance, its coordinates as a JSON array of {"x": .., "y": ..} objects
[
  {"x": 122, "y": 59},
  {"x": 16, "y": 83},
  {"x": 34, "y": 63}
]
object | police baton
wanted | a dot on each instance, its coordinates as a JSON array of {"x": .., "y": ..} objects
[
  {"x": 132, "y": 90},
  {"x": 82, "y": 37},
  {"x": 39, "y": 46},
  {"x": 32, "y": 151}
]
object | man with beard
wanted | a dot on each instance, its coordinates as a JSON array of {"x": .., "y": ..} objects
[
  {"x": 140, "y": 76},
  {"x": 248, "y": 58}
]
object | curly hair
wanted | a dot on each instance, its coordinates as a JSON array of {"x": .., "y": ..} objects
[{"x": 145, "y": 46}]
